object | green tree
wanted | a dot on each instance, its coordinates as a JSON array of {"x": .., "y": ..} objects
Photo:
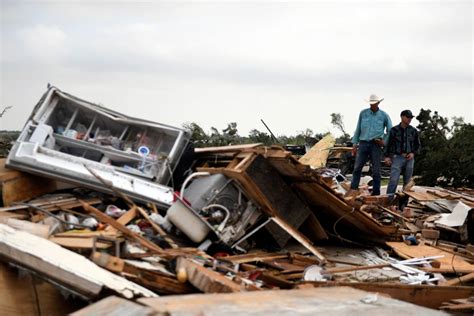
[
  {"x": 256, "y": 136},
  {"x": 198, "y": 136},
  {"x": 337, "y": 122},
  {"x": 446, "y": 156}
]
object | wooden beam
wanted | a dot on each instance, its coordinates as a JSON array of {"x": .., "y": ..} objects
[
  {"x": 206, "y": 280},
  {"x": 78, "y": 242},
  {"x": 27, "y": 295},
  {"x": 254, "y": 257},
  {"x": 113, "y": 305},
  {"x": 20, "y": 186},
  {"x": 456, "y": 281},
  {"x": 350, "y": 269},
  {"x": 300, "y": 238},
  {"x": 225, "y": 149},
  {"x": 154, "y": 280},
  {"x": 424, "y": 295}
]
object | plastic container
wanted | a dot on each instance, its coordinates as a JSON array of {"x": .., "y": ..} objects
[{"x": 187, "y": 221}]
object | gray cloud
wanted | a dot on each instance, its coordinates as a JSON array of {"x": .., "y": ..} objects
[{"x": 245, "y": 54}]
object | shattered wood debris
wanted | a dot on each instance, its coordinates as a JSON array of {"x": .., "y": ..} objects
[{"x": 235, "y": 219}]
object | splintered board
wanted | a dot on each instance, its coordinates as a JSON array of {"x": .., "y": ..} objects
[
  {"x": 449, "y": 263},
  {"x": 317, "y": 156}
]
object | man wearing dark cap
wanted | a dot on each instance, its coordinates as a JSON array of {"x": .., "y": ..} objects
[{"x": 402, "y": 146}]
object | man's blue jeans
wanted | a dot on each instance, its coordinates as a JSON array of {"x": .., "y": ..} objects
[
  {"x": 399, "y": 164},
  {"x": 367, "y": 151}
]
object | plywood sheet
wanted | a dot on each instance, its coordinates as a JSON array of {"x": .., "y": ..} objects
[
  {"x": 315, "y": 301},
  {"x": 317, "y": 156}
]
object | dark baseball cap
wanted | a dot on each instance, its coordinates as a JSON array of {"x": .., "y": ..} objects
[{"x": 407, "y": 113}]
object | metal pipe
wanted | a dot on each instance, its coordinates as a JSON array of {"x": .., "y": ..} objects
[
  {"x": 189, "y": 178},
  {"x": 251, "y": 233},
  {"x": 222, "y": 207}
]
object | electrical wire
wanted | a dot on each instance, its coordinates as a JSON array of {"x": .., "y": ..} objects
[
  {"x": 339, "y": 236},
  {"x": 454, "y": 270},
  {"x": 167, "y": 163}
]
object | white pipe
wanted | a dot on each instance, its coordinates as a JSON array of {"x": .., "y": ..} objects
[{"x": 189, "y": 178}]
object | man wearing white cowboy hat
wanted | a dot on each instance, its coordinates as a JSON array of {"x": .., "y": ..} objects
[{"x": 369, "y": 138}]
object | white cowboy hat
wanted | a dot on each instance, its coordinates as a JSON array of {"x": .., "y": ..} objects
[{"x": 374, "y": 99}]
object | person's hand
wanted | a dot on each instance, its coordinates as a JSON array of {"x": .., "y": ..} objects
[
  {"x": 354, "y": 150},
  {"x": 379, "y": 142},
  {"x": 387, "y": 161},
  {"x": 410, "y": 156}
]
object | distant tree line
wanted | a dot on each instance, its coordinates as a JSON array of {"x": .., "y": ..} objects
[
  {"x": 446, "y": 157},
  {"x": 230, "y": 136}
]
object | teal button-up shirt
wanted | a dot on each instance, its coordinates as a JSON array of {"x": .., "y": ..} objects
[{"x": 372, "y": 125}]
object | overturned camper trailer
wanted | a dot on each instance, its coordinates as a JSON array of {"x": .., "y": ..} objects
[{"x": 65, "y": 136}]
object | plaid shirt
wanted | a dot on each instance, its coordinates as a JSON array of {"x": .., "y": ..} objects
[{"x": 402, "y": 141}]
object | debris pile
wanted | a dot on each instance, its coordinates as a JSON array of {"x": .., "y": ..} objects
[{"x": 106, "y": 205}]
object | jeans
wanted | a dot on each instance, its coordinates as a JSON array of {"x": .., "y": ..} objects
[
  {"x": 399, "y": 164},
  {"x": 366, "y": 151}
]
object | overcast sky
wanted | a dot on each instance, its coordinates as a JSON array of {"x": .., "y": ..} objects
[{"x": 289, "y": 63}]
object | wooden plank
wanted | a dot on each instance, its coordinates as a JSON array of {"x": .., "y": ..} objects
[
  {"x": 33, "y": 228},
  {"x": 351, "y": 269},
  {"x": 87, "y": 233},
  {"x": 422, "y": 196},
  {"x": 79, "y": 242},
  {"x": 271, "y": 280},
  {"x": 152, "y": 279},
  {"x": 224, "y": 149},
  {"x": 25, "y": 187},
  {"x": 300, "y": 238},
  {"x": 456, "y": 281},
  {"x": 207, "y": 280},
  {"x": 423, "y": 295},
  {"x": 317, "y": 156},
  {"x": 459, "y": 308},
  {"x": 6, "y": 173},
  {"x": 51, "y": 205},
  {"x": 114, "y": 306},
  {"x": 111, "y": 263},
  {"x": 303, "y": 260},
  {"x": 16, "y": 215},
  {"x": 124, "y": 219},
  {"x": 449, "y": 262},
  {"x": 17, "y": 255},
  {"x": 127, "y": 232},
  {"x": 62, "y": 266},
  {"x": 254, "y": 257},
  {"x": 322, "y": 199},
  {"x": 278, "y": 197},
  {"x": 284, "y": 266},
  {"x": 27, "y": 295},
  {"x": 159, "y": 283},
  {"x": 320, "y": 301}
]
